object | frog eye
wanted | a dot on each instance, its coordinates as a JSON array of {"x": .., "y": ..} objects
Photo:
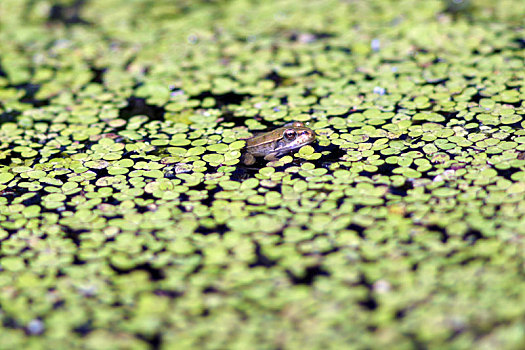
[{"x": 290, "y": 134}]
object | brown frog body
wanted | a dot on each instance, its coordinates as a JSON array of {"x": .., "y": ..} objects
[{"x": 278, "y": 142}]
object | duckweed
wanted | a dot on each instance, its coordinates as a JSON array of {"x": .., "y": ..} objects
[{"x": 127, "y": 220}]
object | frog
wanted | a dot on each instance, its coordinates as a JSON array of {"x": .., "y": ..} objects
[{"x": 273, "y": 144}]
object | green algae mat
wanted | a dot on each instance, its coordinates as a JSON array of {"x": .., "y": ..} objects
[{"x": 127, "y": 220}]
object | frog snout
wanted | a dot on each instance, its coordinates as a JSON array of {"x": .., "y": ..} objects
[{"x": 308, "y": 134}]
